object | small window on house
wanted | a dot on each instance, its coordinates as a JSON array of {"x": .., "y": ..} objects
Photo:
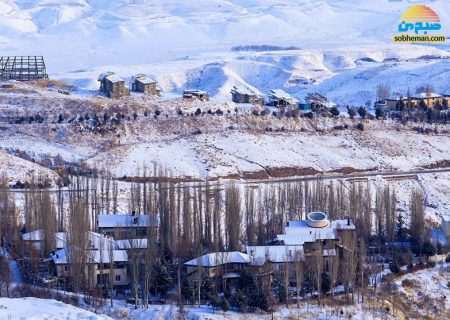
[
  {"x": 65, "y": 268},
  {"x": 117, "y": 278}
]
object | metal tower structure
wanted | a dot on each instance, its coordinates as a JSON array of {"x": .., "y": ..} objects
[{"x": 22, "y": 68}]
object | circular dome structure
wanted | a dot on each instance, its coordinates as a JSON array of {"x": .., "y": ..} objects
[{"x": 317, "y": 220}]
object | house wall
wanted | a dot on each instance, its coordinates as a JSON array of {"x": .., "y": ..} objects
[
  {"x": 203, "y": 97},
  {"x": 429, "y": 102},
  {"x": 63, "y": 271},
  {"x": 239, "y": 98},
  {"x": 149, "y": 88},
  {"x": 125, "y": 233},
  {"x": 217, "y": 271},
  {"x": 114, "y": 89}
]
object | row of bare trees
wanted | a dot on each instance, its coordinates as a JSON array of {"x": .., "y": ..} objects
[
  {"x": 196, "y": 218},
  {"x": 213, "y": 216}
]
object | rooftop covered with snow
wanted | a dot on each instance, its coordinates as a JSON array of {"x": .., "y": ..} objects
[
  {"x": 143, "y": 78},
  {"x": 242, "y": 90},
  {"x": 93, "y": 256},
  {"x": 278, "y": 94},
  {"x": 219, "y": 258}
]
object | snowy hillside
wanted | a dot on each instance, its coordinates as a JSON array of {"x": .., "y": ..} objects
[
  {"x": 187, "y": 44},
  {"x": 346, "y": 75}
]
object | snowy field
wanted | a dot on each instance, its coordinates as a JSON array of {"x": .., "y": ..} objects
[{"x": 41, "y": 309}]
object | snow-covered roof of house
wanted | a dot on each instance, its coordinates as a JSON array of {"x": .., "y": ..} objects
[
  {"x": 125, "y": 221},
  {"x": 195, "y": 92},
  {"x": 114, "y": 78},
  {"x": 97, "y": 240},
  {"x": 219, "y": 258},
  {"x": 276, "y": 254},
  {"x": 240, "y": 89},
  {"x": 94, "y": 256},
  {"x": 281, "y": 94},
  {"x": 424, "y": 95},
  {"x": 131, "y": 244},
  {"x": 299, "y": 232},
  {"x": 37, "y": 235},
  {"x": 143, "y": 78},
  {"x": 102, "y": 76}
]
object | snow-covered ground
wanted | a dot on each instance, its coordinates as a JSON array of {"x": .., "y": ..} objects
[
  {"x": 77, "y": 34},
  {"x": 20, "y": 169},
  {"x": 46, "y": 309},
  {"x": 426, "y": 292},
  {"x": 348, "y": 75},
  {"x": 345, "y": 48},
  {"x": 43, "y": 309}
]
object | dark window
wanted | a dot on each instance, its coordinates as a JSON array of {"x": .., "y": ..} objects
[{"x": 117, "y": 278}]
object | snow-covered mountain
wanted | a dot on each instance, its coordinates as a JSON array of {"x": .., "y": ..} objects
[
  {"x": 96, "y": 32},
  {"x": 187, "y": 43}
]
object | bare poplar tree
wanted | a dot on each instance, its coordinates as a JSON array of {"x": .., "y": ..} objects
[
  {"x": 349, "y": 261},
  {"x": 298, "y": 274},
  {"x": 250, "y": 212},
  {"x": 78, "y": 237},
  {"x": 417, "y": 222},
  {"x": 317, "y": 257},
  {"x": 8, "y": 219},
  {"x": 233, "y": 217}
]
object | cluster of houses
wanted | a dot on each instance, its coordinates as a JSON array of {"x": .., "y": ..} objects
[
  {"x": 278, "y": 98},
  {"x": 430, "y": 99},
  {"x": 114, "y": 86},
  {"x": 300, "y": 242},
  {"x": 107, "y": 249}
]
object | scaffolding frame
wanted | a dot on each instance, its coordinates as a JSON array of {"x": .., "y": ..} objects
[{"x": 22, "y": 68}]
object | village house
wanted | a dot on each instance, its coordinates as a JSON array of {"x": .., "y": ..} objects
[
  {"x": 242, "y": 94},
  {"x": 222, "y": 267},
  {"x": 101, "y": 253},
  {"x": 113, "y": 85},
  {"x": 143, "y": 83},
  {"x": 317, "y": 100},
  {"x": 279, "y": 98},
  {"x": 271, "y": 259},
  {"x": 199, "y": 94},
  {"x": 393, "y": 103},
  {"x": 300, "y": 242},
  {"x": 430, "y": 99},
  {"x": 125, "y": 226}
]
